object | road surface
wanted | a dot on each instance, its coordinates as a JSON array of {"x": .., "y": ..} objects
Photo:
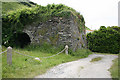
[{"x": 82, "y": 68}]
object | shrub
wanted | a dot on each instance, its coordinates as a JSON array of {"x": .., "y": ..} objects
[{"x": 105, "y": 40}]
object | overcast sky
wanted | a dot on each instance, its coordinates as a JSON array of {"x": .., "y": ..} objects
[{"x": 96, "y": 12}]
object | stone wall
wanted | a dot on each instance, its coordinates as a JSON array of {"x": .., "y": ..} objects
[{"x": 57, "y": 31}]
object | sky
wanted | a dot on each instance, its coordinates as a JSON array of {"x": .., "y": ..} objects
[{"x": 95, "y": 12}]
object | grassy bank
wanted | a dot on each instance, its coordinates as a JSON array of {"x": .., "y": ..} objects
[
  {"x": 8, "y": 7},
  {"x": 0, "y": 67},
  {"x": 0, "y": 64},
  {"x": 114, "y": 69},
  {"x": 24, "y": 67}
]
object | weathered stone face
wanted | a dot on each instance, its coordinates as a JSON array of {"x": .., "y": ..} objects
[{"x": 57, "y": 31}]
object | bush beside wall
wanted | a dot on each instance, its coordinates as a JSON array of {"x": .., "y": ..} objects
[{"x": 105, "y": 40}]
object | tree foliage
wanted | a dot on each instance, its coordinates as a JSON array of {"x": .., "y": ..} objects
[{"x": 105, "y": 40}]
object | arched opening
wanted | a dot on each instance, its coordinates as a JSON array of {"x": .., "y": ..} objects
[{"x": 21, "y": 39}]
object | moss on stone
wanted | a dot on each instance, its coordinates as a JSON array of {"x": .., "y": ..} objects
[
  {"x": 42, "y": 31},
  {"x": 54, "y": 39}
]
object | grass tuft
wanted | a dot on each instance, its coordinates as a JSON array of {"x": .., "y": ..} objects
[{"x": 96, "y": 59}]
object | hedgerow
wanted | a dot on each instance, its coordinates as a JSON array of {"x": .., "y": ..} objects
[{"x": 105, "y": 40}]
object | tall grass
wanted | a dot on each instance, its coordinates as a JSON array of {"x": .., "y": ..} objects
[
  {"x": 114, "y": 69},
  {"x": 45, "y": 47},
  {"x": 24, "y": 67},
  {"x": 0, "y": 67},
  {"x": 0, "y": 63}
]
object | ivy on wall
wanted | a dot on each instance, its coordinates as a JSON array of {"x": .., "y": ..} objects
[{"x": 14, "y": 22}]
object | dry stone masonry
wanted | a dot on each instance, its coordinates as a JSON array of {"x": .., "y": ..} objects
[{"x": 57, "y": 31}]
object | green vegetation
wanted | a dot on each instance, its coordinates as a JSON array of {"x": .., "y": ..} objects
[
  {"x": 80, "y": 52},
  {"x": 116, "y": 28},
  {"x": 119, "y": 66},
  {"x": 0, "y": 66},
  {"x": 15, "y": 17},
  {"x": 15, "y": 21},
  {"x": 96, "y": 59},
  {"x": 24, "y": 67},
  {"x": 105, "y": 40},
  {"x": 8, "y": 7},
  {"x": 87, "y": 28},
  {"x": 114, "y": 69},
  {"x": 0, "y": 63},
  {"x": 115, "y": 72}
]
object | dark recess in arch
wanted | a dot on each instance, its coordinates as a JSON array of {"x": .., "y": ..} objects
[{"x": 21, "y": 39}]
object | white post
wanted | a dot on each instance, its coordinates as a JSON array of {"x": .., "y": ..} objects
[
  {"x": 66, "y": 49},
  {"x": 9, "y": 55}
]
